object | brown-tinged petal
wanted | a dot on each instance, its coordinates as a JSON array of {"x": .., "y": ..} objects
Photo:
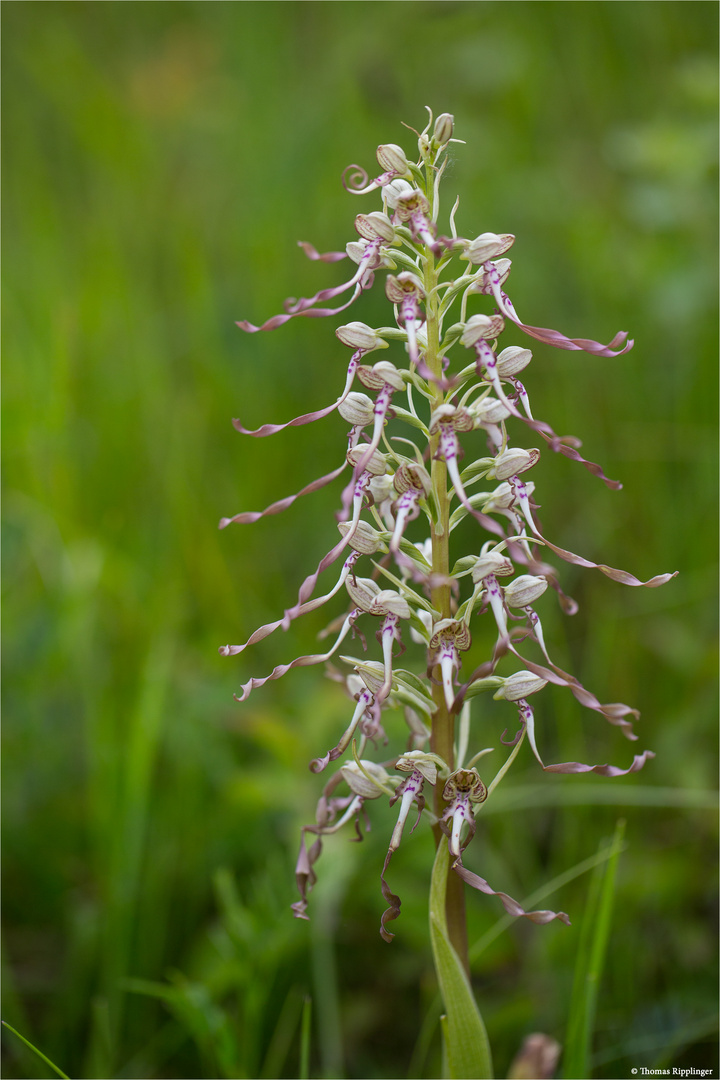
[
  {"x": 511, "y": 906},
  {"x": 249, "y": 516}
]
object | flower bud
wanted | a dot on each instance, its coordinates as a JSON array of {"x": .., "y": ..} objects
[
  {"x": 358, "y": 335},
  {"x": 371, "y": 672},
  {"x": 488, "y": 246},
  {"x": 512, "y": 360},
  {"x": 389, "y": 602},
  {"x": 381, "y": 373},
  {"x": 524, "y": 590},
  {"x": 520, "y": 685},
  {"x": 442, "y": 132},
  {"x": 359, "y": 783},
  {"x": 357, "y": 409},
  {"x": 503, "y": 497},
  {"x": 375, "y": 225},
  {"x": 376, "y": 463},
  {"x": 381, "y": 488},
  {"x": 489, "y": 411},
  {"x": 362, "y": 591},
  {"x": 482, "y": 327},
  {"x": 391, "y": 157},
  {"x": 426, "y": 764},
  {"x": 357, "y": 250},
  {"x": 492, "y": 562},
  {"x": 412, "y": 475},
  {"x": 512, "y": 461},
  {"x": 483, "y": 281},
  {"x": 364, "y": 539}
]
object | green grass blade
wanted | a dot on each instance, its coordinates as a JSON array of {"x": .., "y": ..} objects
[
  {"x": 466, "y": 1043},
  {"x": 35, "y": 1050},
  {"x": 594, "y": 937},
  {"x": 304, "y": 1071}
]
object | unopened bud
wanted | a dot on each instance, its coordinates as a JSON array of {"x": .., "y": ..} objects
[
  {"x": 389, "y": 602},
  {"x": 379, "y": 374},
  {"x": 520, "y": 685},
  {"x": 442, "y": 132},
  {"x": 426, "y": 764},
  {"x": 375, "y": 225},
  {"x": 357, "y": 409},
  {"x": 512, "y": 360},
  {"x": 412, "y": 475},
  {"x": 492, "y": 562},
  {"x": 488, "y": 246},
  {"x": 391, "y": 157},
  {"x": 376, "y": 463},
  {"x": 358, "y": 335},
  {"x": 482, "y": 328},
  {"x": 362, "y": 591},
  {"x": 512, "y": 461},
  {"x": 368, "y": 783},
  {"x": 489, "y": 411},
  {"x": 381, "y": 488},
  {"x": 364, "y": 539},
  {"x": 524, "y": 590}
]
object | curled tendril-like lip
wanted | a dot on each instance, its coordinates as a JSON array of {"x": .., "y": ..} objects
[
  {"x": 355, "y": 179},
  {"x": 300, "y": 661},
  {"x": 249, "y": 516},
  {"x": 362, "y": 279},
  {"x": 511, "y": 906},
  {"x": 527, "y": 719},
  {"x": 554, "y": 337},
  {"x": 307, "y": 418},
  {"x": 269, "y": 628},
  {"x": 621, "y": 576}
]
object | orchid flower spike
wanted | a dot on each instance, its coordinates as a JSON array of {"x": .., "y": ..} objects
[{"x": 443, "y": 384}]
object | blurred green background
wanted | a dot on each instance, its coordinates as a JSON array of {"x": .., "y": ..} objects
[{"x": 161, "y": 160}]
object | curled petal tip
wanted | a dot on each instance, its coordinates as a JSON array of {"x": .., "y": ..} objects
[
  {"x": 229, "y": 650},
  {"x": 314, "y": 254}
]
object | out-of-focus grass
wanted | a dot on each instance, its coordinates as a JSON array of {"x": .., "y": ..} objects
[{"x": 161, "y": 160}]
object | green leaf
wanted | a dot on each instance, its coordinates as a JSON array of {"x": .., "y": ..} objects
[
  {"x": 467, "y": 1049},
  {"x": 35, "y": 1050},
  {"x": 592, "y": 948}
]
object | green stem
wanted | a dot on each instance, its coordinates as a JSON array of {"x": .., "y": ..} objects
[{"x": 442, "y": 739}]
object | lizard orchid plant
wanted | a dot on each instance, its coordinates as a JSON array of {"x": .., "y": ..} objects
[{"x": 402, "y": 500}]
